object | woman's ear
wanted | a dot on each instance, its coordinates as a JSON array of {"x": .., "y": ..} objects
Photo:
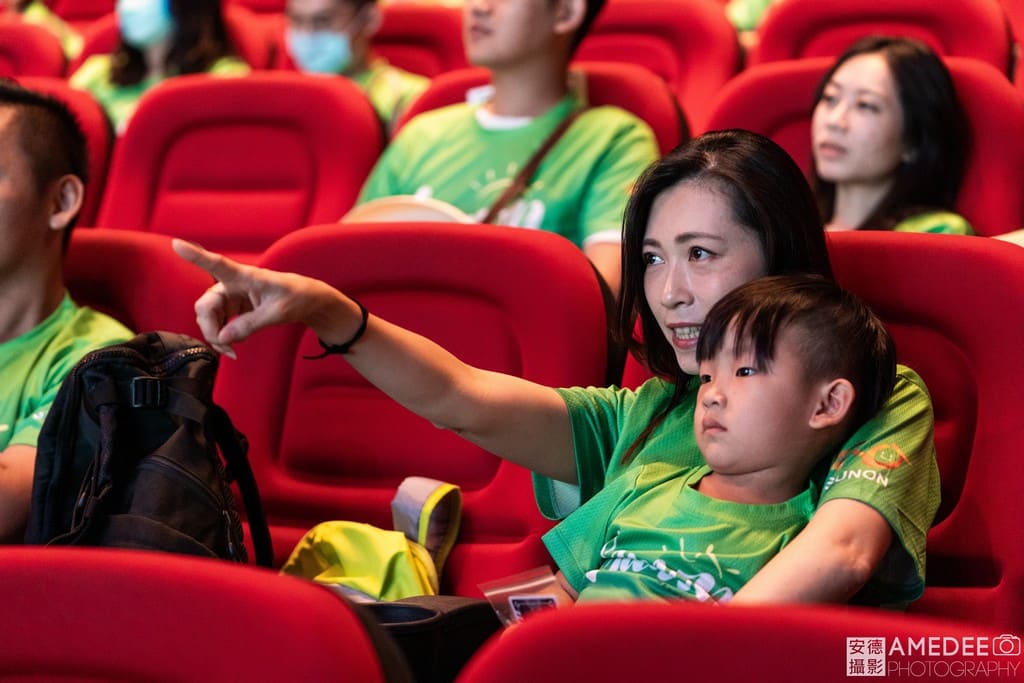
[
  {"x": 65, "y": 201},
  {"x": 569, "y": 15},
  {"x": 835, "y": 401}
]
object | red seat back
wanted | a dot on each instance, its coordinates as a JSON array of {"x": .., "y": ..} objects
[
  {"x": 29, "y": 50},
  {"x": 777, "y": 100},
  {"x": 234, "y": 163},
  {"x": 136, "y": 278},
  {"x": 628, "y": 86},
  {"x": 99, "y": 137},
  {"x": 955, "y": 306},
  {"x": 689, "y": 43},
  {"x": 771, "y": 644},
  {"x": 327, "y": 445},
  {"x": 797, "y": 29},
  {"x": 107, "y": 614}
]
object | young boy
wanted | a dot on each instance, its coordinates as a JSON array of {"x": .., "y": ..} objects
[{"x": 790, "y": 366}]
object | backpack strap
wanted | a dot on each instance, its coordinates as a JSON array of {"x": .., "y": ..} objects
[
  {"x": 233, "y": 447},
  {"x": 525, "y": 175}
]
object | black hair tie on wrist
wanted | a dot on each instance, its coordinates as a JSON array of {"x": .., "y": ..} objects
[{"x": 341, "y": 349}]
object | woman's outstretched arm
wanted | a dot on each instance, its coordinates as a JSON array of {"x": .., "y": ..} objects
[{"x": 523, "y": 422}]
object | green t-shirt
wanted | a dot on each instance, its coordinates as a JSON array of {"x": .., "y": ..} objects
[
  {"x": 701, "y": 548},
  {"x": 889, "y": 464},
  {"x": 944, "y": 222},
  {"x": 119, "y": 101},
  {"x": 579, "y": 190},
  {"x": 390, "y": 89},
  {"x": 33, "y": 366}
]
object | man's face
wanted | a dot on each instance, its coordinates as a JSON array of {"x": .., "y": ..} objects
[
  {"x": 320, "y": 15},
  {"x": 24, "y": 215},
  {"x": 501, "y": 33}
]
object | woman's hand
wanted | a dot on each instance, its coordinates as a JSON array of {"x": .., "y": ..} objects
[{"x": 246, "y": 299}]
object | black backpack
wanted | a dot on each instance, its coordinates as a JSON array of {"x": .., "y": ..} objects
[{"x": 128, "y": 456}]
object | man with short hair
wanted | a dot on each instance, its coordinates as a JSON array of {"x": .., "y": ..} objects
[
  {"x": 333, "y": 37},
  {"x": 467, "y": 154},
  {"x": 43, "y": 333}
]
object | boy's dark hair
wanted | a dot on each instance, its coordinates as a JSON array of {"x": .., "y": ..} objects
[
  {"x": 49, "y": 136},
  {"x": 935, "y": 131},
  {"x": 594, "y": 8},
  {"x": 839, "y": 335}
]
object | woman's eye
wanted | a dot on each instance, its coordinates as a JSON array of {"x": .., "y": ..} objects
[
  {"x": 869, "y": 106},
  {"x": 746, "y": 372},
  {"x": 704, "y": 379},
  {"x": 699, "y": 253},
  {"x": 829, "y": 99},
  {"x": 651, "y": 259}
]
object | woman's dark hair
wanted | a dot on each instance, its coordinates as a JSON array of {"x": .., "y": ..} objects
[
  {"x": 768, "y": 195},
  {"x": 935, "y": 132},
  {"x": 837, "y": 334},
  {"x": 199, "y": 39}
]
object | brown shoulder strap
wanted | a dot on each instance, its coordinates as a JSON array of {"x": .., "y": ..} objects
[{"x": 525, "y": 176}]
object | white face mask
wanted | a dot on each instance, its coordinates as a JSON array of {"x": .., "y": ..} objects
[
  {"x": 144, "y": 23},
  {"x": 320, "y": 52}
]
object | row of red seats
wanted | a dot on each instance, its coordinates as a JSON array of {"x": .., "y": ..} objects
[
  {"x": 689, "y": 43},
  {"x": 104, "y": 614},
  {"x": 274, "y": 151},
  {"x": 326, "y": 445}
]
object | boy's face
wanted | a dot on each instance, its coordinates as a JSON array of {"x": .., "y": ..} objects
[
  {"x": 502, "y": 33},
  {"x": 338, "y": 16},
  {"x": 24, "y": 218},
  {"x": 749, "y": 421}
]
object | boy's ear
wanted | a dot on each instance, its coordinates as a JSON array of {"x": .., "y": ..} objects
[
  {"x": 569, "y": 15},
  {"x": 834, "y": 403},
  {"x": 373, "y": 18},
  {"x": 65, "y": 201}
]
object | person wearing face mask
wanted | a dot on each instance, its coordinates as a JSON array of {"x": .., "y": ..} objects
[
  {"x": 158, "y": 39},
  {"x": 333, "y": 37},
  {"x": 890, "y": 140}
]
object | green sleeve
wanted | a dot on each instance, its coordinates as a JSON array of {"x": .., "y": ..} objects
[
  {"x": 229, "y": 66},
  {"x": 943, "y": 222},
  {"x": 385, "y": 178},
  {"x": 631, "y": 152},
  {"x": 890, "y": 464}
]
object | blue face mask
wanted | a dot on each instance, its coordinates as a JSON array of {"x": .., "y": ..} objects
[
  {"x": 320, "y": 52},
  {"x": 144, "y": 23}
]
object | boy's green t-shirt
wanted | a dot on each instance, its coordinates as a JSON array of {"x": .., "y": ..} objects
[
  {"x": 390, "y": 90},
  {"x": 579, "y": 191},
  {"x": 34, "y": 365},
  {"x": 888, "y": 464}
]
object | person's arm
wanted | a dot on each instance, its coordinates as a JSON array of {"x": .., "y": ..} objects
[
  {"x": 607, "y": 259},
  {"x": 513, "y": 418},
  {"x": 829, "y": 561},
  {"x": 17, "y": 467}
]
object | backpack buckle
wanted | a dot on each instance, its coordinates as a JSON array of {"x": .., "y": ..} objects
[{"x": 147, "y": 392}]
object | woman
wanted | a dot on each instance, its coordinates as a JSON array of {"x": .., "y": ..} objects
[
  {"x": 158, "y": 39},
  {"x": 889, "y": 140},
  {"x": 717, "y": 212}
]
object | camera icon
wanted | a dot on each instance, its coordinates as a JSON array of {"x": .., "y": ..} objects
[{"x": 1006, "y": 645}]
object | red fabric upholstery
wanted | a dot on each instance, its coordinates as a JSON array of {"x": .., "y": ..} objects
[
  {"x": 136, "y": 278},
  {"x": 797, "y": 29},
  {"x": 777, "y": 100},
  {"x": 326, "y": 445},
  {"x": 98, "y": 136},
  {"x": 81, "y": 13},
  {"x": 234, "y": 163},
  {"x": 29, "y": 50},
  {"x": 105, "y": 614},
  {"x": 955, "y": 306},
  {"x": 244, "y": 29},
  {"x": 689, "y": 43},
  {"x": 689, "y": 641},
  {"x": 1014, "y": 10},
  {"x": 628, "y": 86}
]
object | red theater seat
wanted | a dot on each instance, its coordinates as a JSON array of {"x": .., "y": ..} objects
[
  {"x": 326, "y": 445},
  {"x": 777, "y": 100},
  {"x": 797, "y": 29},
  {"x": 689, "y": 43},
  {"x": 81, "y": 13},
  {"x": 100, "y": 614},
  {"x": 234, "y": 163},
  {"x": 29, "y": 50},
  {"x": 769, "y": 644},
  {"x": 98, "y": 136},
  {"x": 955, "y": 306},
  {"x": 136, "y": 278},
  {"x": 628, "y": 86}
]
